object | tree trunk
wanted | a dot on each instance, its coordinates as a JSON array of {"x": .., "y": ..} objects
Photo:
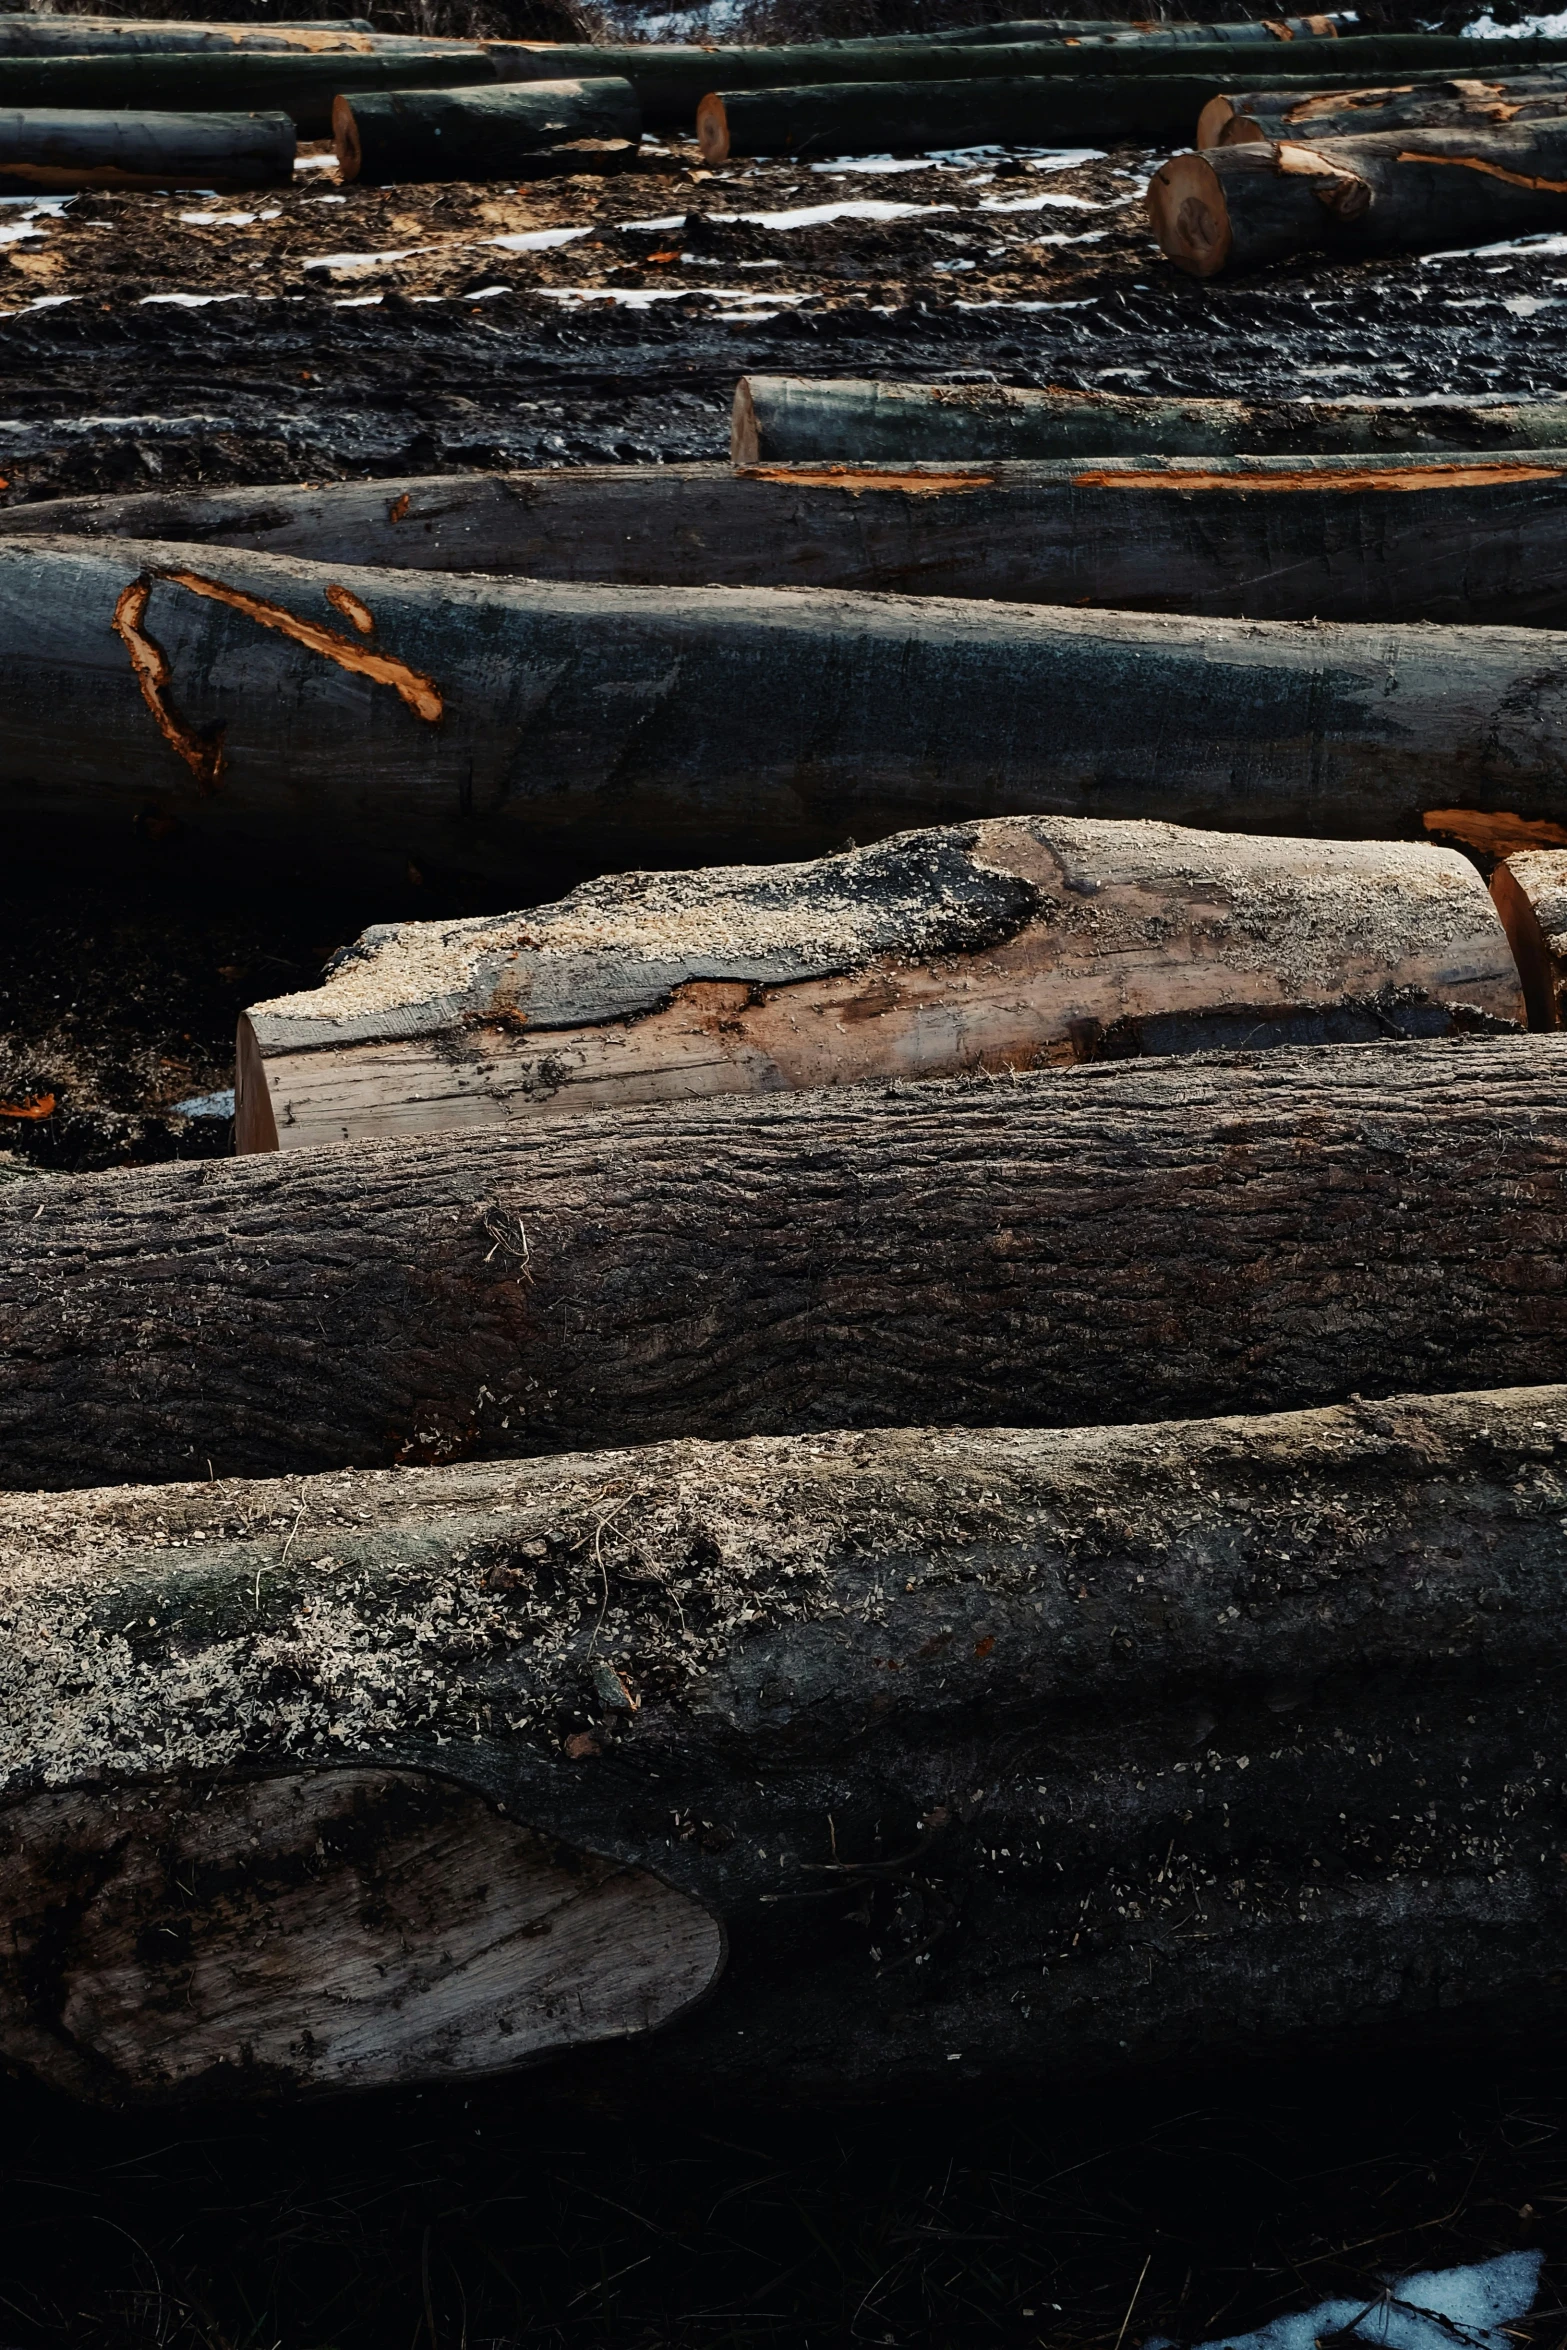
[
  {"x": 1402, "y": 538},
  {"x": 1530, "y": 890},
  {"x": 88, "y": 150},
  {"x": 276, "y": 710},
  {"x": 866, "y": 118},
  {"x": 1006, "y": 947},
  {"x": 406, "y": 135},
  {"x": 783, "y": 419},
  {"x": 1391, "y": 191},
  {"x": 1236, "y": 118},
  {"x": 1132, "y": 1239},
  {"x": 78, "y": 36},
  {"x": 246, "y": 81},
  {"x": 1006, "y": 1759},
  {"x": 672, "y": 82}
]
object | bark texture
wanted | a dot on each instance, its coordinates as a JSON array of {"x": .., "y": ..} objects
[
  {"x": 39, "y": 149},
  {"x": 1401, "y": 537},
  {"x": 302, "y": 85},
  {"x": 1006, "y": 947},
  {"x": 866, "y": 118},
  {"x": 671, "y": 82},
  {"x": 1389, "y": 191},
  {"x": 1233, "y": 119},
  {"x": 787, "y": 419},
  {"x": 409, "y": 135},
  {"x": 1125, "y": 1239},
  {"x": 1158, "y": 33},
  {"x": 1058, "y": 1754},
  {"x": 358, "y": 718}
]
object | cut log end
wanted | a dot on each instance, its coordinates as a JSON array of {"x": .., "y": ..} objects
[
  {"x": 1189, "y": 216},
  {"x": 319, "y": 1932},
  {"x": 1213, "y": 124},
  {"x": 345, "y": 138},
  {"x": 745, "y": 440},
  {"x": 712, "y": 128}
]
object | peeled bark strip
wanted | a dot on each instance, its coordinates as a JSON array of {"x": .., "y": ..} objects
[
  {"x": 1399, "y": 538},
  {"x": 1530, "y": 889},
  {"x": 1065, "y": 1754},
  {"x": 1006, "y": 947},
  {"x": 1117, "y": 1240},
  {"x": 301, "y": 85},
  {"x": 479, "y": 723},
  {"x": 408, "y": 135},
  {"x": 1235, "y": 118},
  {"x": 785, "y": 419},
  {"x": 39, "y": 149},
  {"x": 1391, "y": 191},
  {"x": 671, "y": 82}
]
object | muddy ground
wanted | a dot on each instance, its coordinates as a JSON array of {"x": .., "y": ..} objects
[{"x": 325, "y": 332}]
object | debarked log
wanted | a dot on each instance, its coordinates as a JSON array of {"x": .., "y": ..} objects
[
  {"x": 1388, "y": 191},
  {"x": 30, "y": 35},
  {"x": 389, "y": 136},
  {"x": 1115, "y": 1240},
  {"x": 44, "y": 149},
  {"x": 355, "y": 719},
  {"x": 1064, "y": 1755},
  {"x": 791, "y": 420},
  {"x": 1007, "y": 946},
  {"x": 302, "y": 85},
  {"x": 1398, "y": 537},
  {"x": 1235, "y": 117}
]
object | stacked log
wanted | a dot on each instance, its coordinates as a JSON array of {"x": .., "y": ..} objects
[
  {"x": 301, "y": 85},
  {"x": 1397, "y": 538},
  {"x": 1233, "y": 118},
  {"x": 273, "y": 709},
  {"x": 1389, "y": 191},
  {"x": 28, "y": 35},
  {"x": 1147, "y": 30},
  {"x": 1012, "y": 945},
  {"x": 409, "y": 135},
  {"x": 835, "y": 1758},
  {"x": 40, "y": 149},
  {"x": 781, "y": 419}
]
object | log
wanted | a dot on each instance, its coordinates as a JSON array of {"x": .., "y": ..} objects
[
  {"x": 1006, "y": 946},
  {"x": 1390, "y": 191},
  {"x": 782, "y": 419},
  {"x": 271, "y": 711},
  {"x": 1149, "y": 31},
  {"x": 1114, "y": 1240},
  {"x": 406, "y": 135},
  {"x": 301, "y": 86},
  {"x": 27, "y": 35},
  {"x": 672, "y": 82},
  {"x": 1404, "y": 538},
  {"x": 867, "y": 118},
  {"x": 40, "y": 149},
  {"x": 1002, "y": 1760},
  {"x": 1530, "y": 890},
  {"x": 1234, "y": 118}
]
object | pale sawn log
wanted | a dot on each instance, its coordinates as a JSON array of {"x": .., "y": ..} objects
[
  {"x": 389, "y": 136},
  {"x": 1238, "y": 116},
  {"x": 1396, "y": 538},
  {"x": 787, "y": 419},
  {"x": 1387, "y": 191},
  {"x": 347, "y": 719},
  {"x": 1114, "y": 1240},
  {"x": 1008, "y": 946},
  {"x": 1530, "y": 890},
  {"x": 1002, "y": 1759},
  {"x": 41, "y": 149}
]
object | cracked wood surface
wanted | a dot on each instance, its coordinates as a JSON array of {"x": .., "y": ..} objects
[
  {"x": 1061, "y": 1753},
  {"x": 627, "y": 716},
  {"x": 1117, "y": 1240},
  {"x": 1005, "y": 947}
]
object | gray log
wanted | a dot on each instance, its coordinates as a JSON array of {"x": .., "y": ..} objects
[
  {"x": 782, "y": 419},
  {"x": 1119, "y": 1240},
  {"x": 870, "y": 117},
  {"x": 1004, "y": 1760},
  {"x": 28, "y": 35},
  {"x": 1237, "y": 116},
  {"x": 410, "y": 135},
  {"x": 1389, "y": 191},
  {"x": 302, "y": 85},
  {"x": 1157, "y": 32},
  {"x": 1427, "y": 537},
  {"x": 39, "y": 149},
  {"x": 271, "y": 708}
]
